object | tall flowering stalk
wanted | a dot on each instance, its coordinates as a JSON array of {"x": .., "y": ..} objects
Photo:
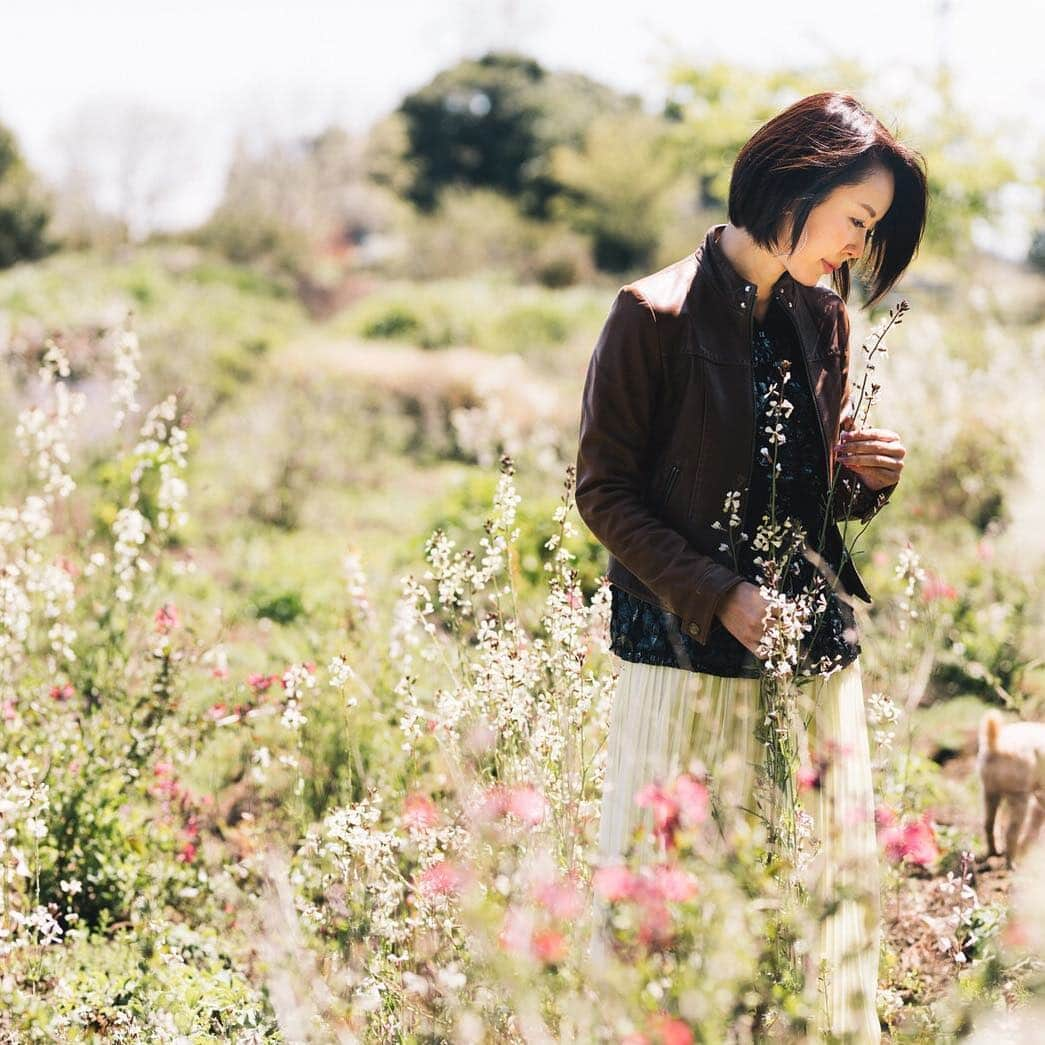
[
  {"x": 786, "y": 701},
  {"x": 518, "y": 704}
]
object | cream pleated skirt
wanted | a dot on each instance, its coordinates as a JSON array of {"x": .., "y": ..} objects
[{"x": 664, "y": 718}]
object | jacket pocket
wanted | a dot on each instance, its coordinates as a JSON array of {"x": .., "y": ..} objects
[{"x": 669, "y": 486}]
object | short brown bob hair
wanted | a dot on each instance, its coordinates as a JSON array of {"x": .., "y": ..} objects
[{"x": 799, "y": 157}]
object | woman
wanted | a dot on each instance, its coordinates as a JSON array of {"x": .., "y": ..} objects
[{"x": 676, "y": 403}]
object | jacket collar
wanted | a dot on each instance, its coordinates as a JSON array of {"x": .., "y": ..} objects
[{"x": 738, "y": 292}]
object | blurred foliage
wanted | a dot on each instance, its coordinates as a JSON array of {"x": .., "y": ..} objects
[
  {"x": 620, "y": 197},
  {"x": 492, "y": 122},
  {"x": 481, "y": 231},
  {"x": 493, "y": 316},
  {"x": 24, "y": 211}
]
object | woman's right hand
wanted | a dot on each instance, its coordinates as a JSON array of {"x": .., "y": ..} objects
[{"x": 743, "y": 611}]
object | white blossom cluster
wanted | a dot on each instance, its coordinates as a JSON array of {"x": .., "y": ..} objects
[
  {"x": 731, "y": 509},
  {"x": 963, "y": 900},
  {"x": 32, "y": 582},
  {"x": 162, "y": 444},
  {"x": 24, "y": 801},
  {"x": 297, "y": 681},
  {"x": 356, "y": 582},
  {"x": 531, "y": 691},
  {"x": 909, "y": 570},
  {"x": 366, "y": 858},
  {"x": 130, "y": 531},
  {"x": 126, "y": 356},
  {"x": 882, "y": 716},
  {"x": 41, "y": 434}
]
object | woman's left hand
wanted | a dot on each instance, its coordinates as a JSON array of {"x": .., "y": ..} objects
[{"x": 874, "y": 454}]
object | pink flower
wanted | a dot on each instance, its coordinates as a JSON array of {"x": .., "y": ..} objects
[
  {"x": 914, "y": 841},
  {"x": 516, "y": 934},
  {"x": 217, "y": 711},
  {"x": 665, "y": 811},
  {"x": 807, "y": 778},
  {"x": 935, "y": 588},
  {"x": 549, "y": 946},
  {"x": 166, "y": 618},
  {"x": 692, "y": 797},
  {"x": 524, "y": 802},
  {"x": 672, "y": 1031},
  {"x": 260, "y": 683},
  {"x": 527, "y": 803},
  {"x": 187, "y": 853},
  {"x": 655, "y": 927},
  {"x": 443, "y": 879},
  {"x": 419, "y": 812},
  {"x": 219, "y": 671},
  {"x": 480, "y": 739},
  {"x": 63, "y": 692},
  {"x": 614, "y": 883},
  {"x": 562, "y": 898},
  {"x": 671, "y": 882},
  {"x": 67, "y": 566},
  {"x": 884, "y": 816},
  {"x": 8, "y": 710},
  {"x": 984, "y": 550}
]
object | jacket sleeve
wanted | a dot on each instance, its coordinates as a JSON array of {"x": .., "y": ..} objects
[
  {"x": 621, "y": 392},
  {"x": 853, "y": 498}
]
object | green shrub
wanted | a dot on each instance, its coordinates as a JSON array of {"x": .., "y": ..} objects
[{"x": 396, "y": 321}]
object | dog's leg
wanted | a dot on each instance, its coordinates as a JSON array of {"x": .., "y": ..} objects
[
  {"x": 1035, "y": 818},
  {"x": 1017, "y": 814},
  {"x": 990, "y": 801}
]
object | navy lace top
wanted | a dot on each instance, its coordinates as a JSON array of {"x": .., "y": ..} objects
[{"x": 647, "y": 634}]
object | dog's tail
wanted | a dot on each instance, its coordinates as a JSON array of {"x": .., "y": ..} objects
[{"x": 990, "y": 725}]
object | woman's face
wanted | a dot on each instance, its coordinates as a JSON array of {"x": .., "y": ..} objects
[{"x": 837, "y": 227}]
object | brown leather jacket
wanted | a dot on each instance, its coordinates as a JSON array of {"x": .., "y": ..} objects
[{"x": 667, "y": 427}]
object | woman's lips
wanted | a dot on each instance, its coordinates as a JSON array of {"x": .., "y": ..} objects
[{"x": 828, "y": 267}]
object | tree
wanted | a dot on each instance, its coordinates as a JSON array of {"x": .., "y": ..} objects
[
  {"x": 614, "y": 188},
  {"x": 492, "y": 122},
  {"x": 24, "y": 211}
]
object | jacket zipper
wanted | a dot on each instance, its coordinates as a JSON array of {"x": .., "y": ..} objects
[
  {"x": 744, "y": 528},
  {"x": 673, "y": 476}
]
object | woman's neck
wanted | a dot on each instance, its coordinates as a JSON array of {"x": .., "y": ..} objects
[{"x": 754, "y": 263}]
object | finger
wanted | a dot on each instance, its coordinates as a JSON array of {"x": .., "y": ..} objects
[
  {"x": 885, "y": 434},
  {"x": 867, "y": 460},
  {"x": 872, "y": 454},
  {"x": 877, "y": 475}
]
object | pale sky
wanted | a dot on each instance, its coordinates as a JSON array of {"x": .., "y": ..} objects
[{"x": 284, "y": 68}]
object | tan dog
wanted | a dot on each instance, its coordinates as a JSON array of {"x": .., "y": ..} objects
[{"x": 1011, "y": 761}]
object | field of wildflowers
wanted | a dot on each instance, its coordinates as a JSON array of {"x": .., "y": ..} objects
[{"x": 305, "y": 690}]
